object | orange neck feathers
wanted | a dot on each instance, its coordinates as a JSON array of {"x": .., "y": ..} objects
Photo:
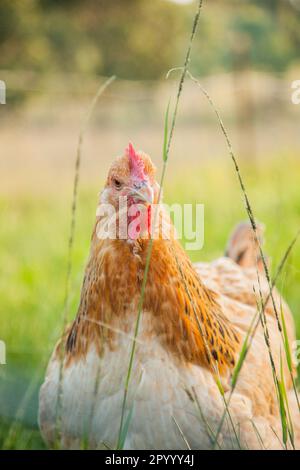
[{"x": 185, "y": 315}]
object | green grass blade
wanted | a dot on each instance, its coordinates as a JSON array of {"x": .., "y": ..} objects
[
  {"x": 288, "y": 354},
  {"x": 282, "y": 413},
  {"x": 259, "y": 438},
  {"x": 166, "y": 134},
  {"x": 181, "y": 433},
  {"x": 220, "y": 386},
  {"x": 149, "y": 250},
  {"x": 286, "y": 341},
  {"x": 290, "y": 427},
  {"x": 124, "y": 430},
  {"x": 208, "y": 427},
  {"x": 240, "y": 362},
  {"x": 243, "y": 353}
]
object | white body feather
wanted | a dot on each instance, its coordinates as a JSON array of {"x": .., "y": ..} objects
[{"x": 161, "y": 389}]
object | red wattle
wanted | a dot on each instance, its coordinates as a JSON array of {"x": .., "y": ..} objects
[{"x": 149, "y": 220}]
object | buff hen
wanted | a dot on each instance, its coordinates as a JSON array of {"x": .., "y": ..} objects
[{"x": 194, "y": 321}]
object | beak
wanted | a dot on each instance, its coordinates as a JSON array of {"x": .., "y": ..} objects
[{"x": 143, "y": 192}]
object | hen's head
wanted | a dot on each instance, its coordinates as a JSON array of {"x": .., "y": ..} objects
[{"x": 131, "y": 178}]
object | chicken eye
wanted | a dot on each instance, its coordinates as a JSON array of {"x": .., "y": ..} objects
[{"x": 117, "y": 184}]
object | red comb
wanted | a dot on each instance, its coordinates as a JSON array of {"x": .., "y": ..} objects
[{"x": 135, "y": 162}]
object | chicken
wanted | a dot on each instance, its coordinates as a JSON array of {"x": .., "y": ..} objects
[{"x": 193, "y": 324}]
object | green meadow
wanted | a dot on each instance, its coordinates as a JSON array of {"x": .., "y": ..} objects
[{"x": 34, "y": 237}]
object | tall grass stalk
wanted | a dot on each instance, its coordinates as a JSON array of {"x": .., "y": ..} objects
[
  {"x": 168, "y": 137},
  {"x": 253, "y": 225},
  {"x": 243, "y": 189},
  {"x": 208, "y": 352},
  {"x": 256, "y": 239},
  {"x": 15, "y": 427},
  {"x": 181, "y": 433},
  {"x": 286, "y": 408},
  {"x": 235, "y": 375},
  {"x": 250, "y": 335},
  {"x": 78, "y": 159},
  {"x": 259, "y": 438},
  {"x": 277, "y": 437},
  {"x": 208, "y": 427},
  {"x": 286, "y": 425}
]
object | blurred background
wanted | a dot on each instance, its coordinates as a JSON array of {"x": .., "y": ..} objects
[{"x": 54, "y": 54}]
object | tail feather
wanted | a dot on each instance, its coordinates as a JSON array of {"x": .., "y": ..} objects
[{"x": 242, "y": 246}]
